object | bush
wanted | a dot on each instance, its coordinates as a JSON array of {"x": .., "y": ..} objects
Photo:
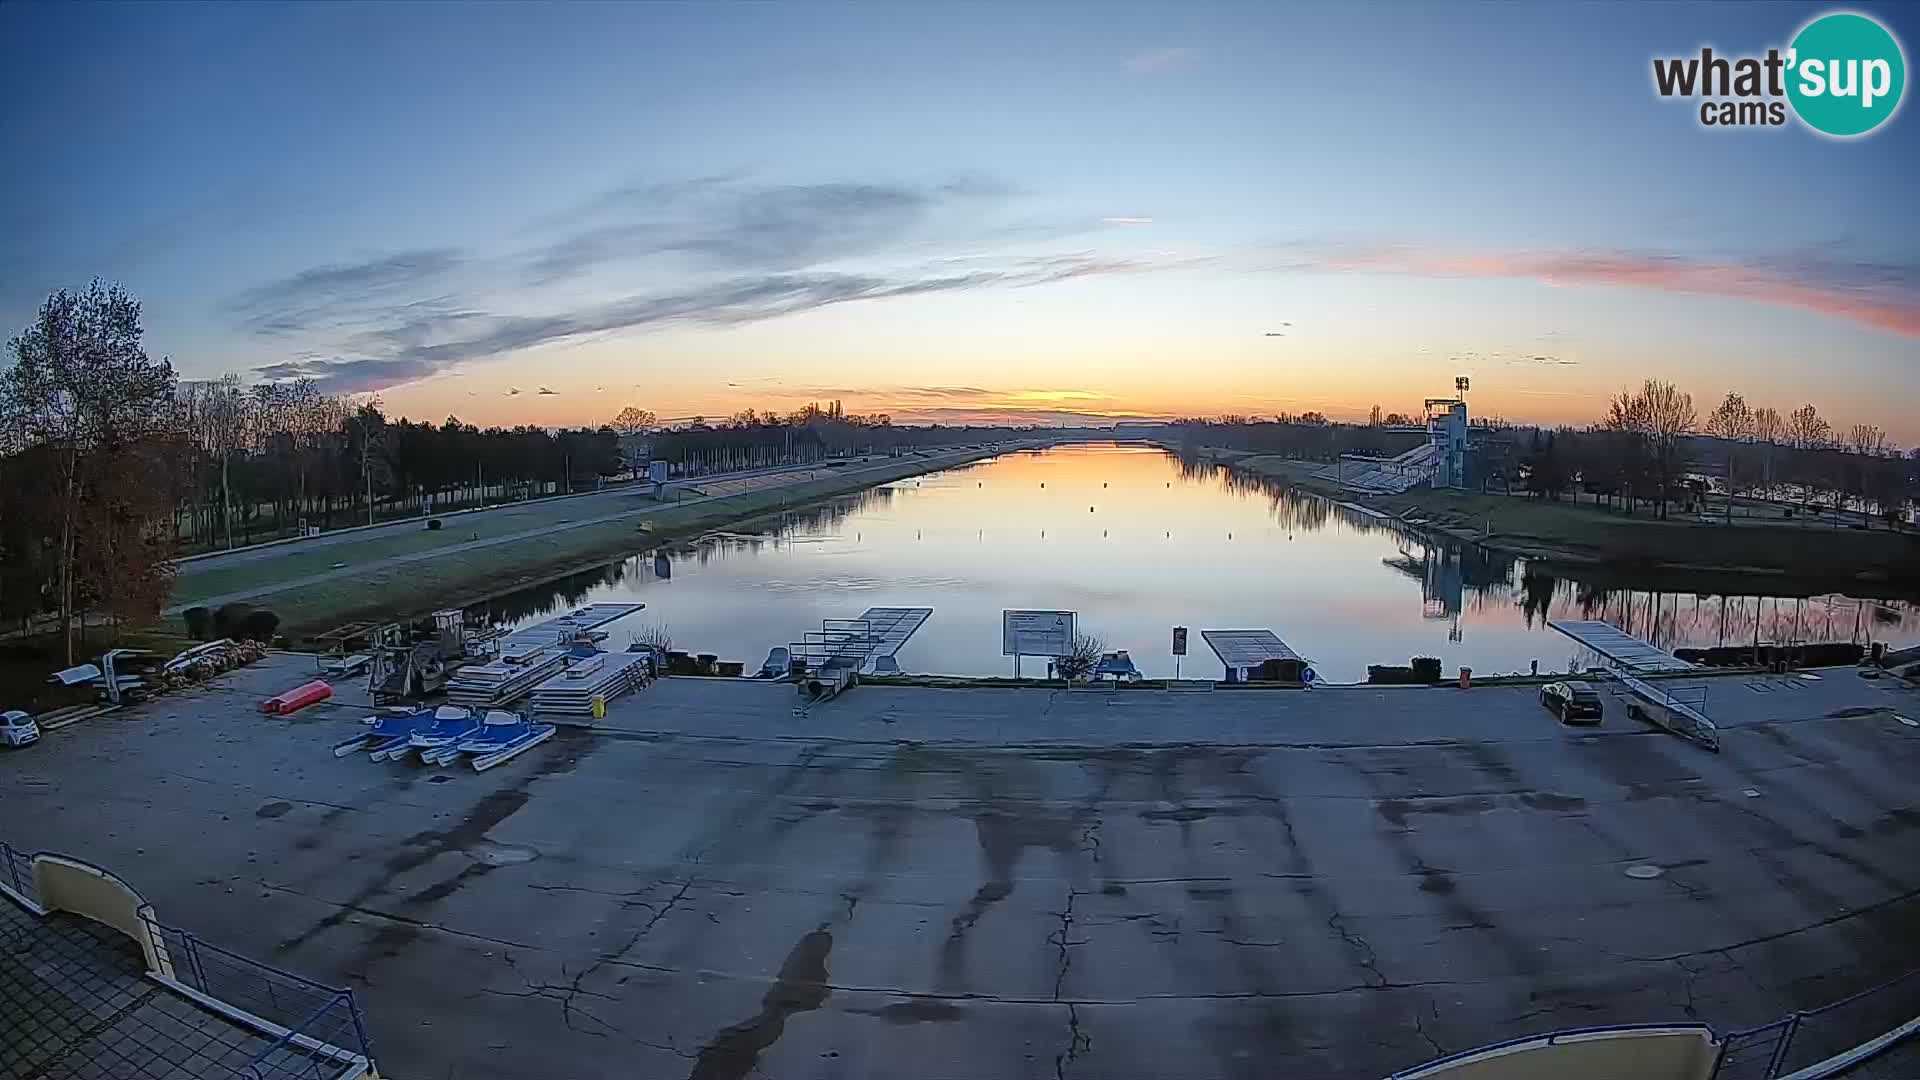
[
  {"x": 229, "y": 621},
  {"x": 433, "y": 524},
  {"x": 259, "y": 626},
  {"x": 1426, "y": 669},
  {"x": 244, "y": 622},
  {"x": 199, "y": 623}
]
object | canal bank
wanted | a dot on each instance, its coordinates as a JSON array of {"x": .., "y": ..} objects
[
  {"x": 388, "y": 573},
  {"x": 1779, "y": 558}
]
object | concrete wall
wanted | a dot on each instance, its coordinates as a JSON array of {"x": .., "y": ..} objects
[
  {"x": 64, "y": 884},
  {"x": 1675, "y": 1053}
]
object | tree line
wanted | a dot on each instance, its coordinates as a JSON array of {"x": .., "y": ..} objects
[
  {"x": 813, "y": 433},
  {"x": 1654, "y": 448}
]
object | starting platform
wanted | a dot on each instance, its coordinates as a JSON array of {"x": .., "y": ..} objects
[{"x": 867, "y": 643}]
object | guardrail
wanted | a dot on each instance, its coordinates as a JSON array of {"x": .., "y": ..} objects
[
  {"x": 318, "y": 1031},
  {"x": 1797, "y": 1043},
  {"x": 312, "y": 1031},
  {"x": 16, "y": 873}
]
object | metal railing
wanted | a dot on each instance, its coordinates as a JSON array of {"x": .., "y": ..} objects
[
  {"x": 1811, "y": 1036},
  {"x": 16, "y": 872},
  {"x": 321, "y": 1031},
  {"x": 1682, "y": 709},
  {"x": 306, "y": 1030}
]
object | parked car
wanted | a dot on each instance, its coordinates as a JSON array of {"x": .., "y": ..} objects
[
  {"x": 18, "y": 729},
  {"x": 1573, "y": 702}
]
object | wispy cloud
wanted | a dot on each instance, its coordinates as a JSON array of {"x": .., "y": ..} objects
[
  {"x": 1877, "y": 295},
  {"x": 1126, "y": 221},
  {"x": 733, "y": 302},
  {"x": 335, "y": 293},
  {"x": 742, "y": 252},
  {"x": 1155, "y": 61},
  {"x": 725, "y": 224},
  {"x": 1543, "y": 361}
]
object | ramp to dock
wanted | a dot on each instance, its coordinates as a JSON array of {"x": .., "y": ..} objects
[
  {"x": 1246, "y": 652},
  {"x": 1621, "y": 649},
  {"x": 1680, "y": 709},
  {"x": 878, "y": 634}
]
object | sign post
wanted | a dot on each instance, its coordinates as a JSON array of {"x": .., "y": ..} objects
[
  {"x": 1179, "y": 648},
  {"x": 1035, "y": 633}
]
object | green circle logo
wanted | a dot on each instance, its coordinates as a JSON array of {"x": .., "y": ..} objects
[{"x": 1845, "y": 74}]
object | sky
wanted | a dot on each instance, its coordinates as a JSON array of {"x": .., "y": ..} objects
[{"x": 541, "y": 214}]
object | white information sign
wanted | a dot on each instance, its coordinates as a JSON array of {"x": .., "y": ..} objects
[{"x": 1036, "y": 633}]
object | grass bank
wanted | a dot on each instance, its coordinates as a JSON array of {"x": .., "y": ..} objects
[
  {"x": 1585, "y": 538},
  {"x": 405, "y": 576}
]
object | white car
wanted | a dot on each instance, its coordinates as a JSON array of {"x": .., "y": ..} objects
[{"x": 18, "y": 729}]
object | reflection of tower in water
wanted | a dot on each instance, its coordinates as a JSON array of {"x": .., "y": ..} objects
[{"x": 1446, "y": 571}]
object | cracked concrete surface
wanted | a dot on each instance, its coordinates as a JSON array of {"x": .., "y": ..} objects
[{"x": 990, "y": 884}]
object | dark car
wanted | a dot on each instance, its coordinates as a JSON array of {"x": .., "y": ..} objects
[{"x": 1573, "y": 702}]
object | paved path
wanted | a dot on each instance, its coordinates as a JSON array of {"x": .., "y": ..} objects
[
  {"x": 220, "y": 560},
  {"x": 355, "y": 569},
  {"x": 982, "y": 884}
]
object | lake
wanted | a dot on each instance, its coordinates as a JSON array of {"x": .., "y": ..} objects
[{"x": 1136, "y": 543}]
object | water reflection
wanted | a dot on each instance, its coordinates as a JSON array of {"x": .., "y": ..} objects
[{"x": 1138, "y": 541}]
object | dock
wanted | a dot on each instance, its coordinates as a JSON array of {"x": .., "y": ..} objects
[
  {"x": 1621, "y": 649},
  {"x": 573, "y": 626},
  {"x": 531, "y": 655},
  {"x": 1251, "y": 654},
  {"x": 867, "y": 642},
  {"x": 606, "y": 677}
]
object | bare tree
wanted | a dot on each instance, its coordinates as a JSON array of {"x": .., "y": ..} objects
[
  {"x": 1768, "y": 430},
  {"x": 1867, "y": 439},
  {"x": 1373, "y": 418},
  {"x": 633, "y": 420},
  {"x": 1083, "y": 653},
  {"x": 1731, "y": 421},
  {"x": 1807, "y": 429}
]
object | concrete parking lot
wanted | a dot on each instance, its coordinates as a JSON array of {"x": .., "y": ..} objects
[{"x": 1004, "y": 883}]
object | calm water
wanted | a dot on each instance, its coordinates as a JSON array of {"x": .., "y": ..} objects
[{"x": 1137, "y": 544}]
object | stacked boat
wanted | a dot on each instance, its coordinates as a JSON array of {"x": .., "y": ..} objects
[
  {"x": 599, "y": 675},
  {"x": 441, "y": 736},
  {"x": 533, "y": 654},
  {"x": 519, "y": 668}
]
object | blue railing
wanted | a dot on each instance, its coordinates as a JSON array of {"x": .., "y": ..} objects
[
  {"x": 310, "y": 1031},
  {"x": 323, "y": 1034},
  {"x": 1811, "y": 1036}
]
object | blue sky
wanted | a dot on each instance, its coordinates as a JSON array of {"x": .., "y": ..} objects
[{"x": 957, "y": 211}]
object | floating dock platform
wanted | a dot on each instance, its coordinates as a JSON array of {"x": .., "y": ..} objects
[{"x": 865, "y": 643}]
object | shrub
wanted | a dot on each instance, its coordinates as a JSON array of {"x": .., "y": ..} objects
[
  {"x": 199, "y": 623},
  {"x": 229, "y": 621},
  {"x": 259, "y": 626}
]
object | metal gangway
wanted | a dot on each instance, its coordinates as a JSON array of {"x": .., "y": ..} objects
[
  {"x": 858, "y": 644},
  {"x": 1679, "y": 708}
]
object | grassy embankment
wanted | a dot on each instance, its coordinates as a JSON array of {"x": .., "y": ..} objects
[
  {"x": 1594, "y": 540},
  {"x": 458, "y": 578}
]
